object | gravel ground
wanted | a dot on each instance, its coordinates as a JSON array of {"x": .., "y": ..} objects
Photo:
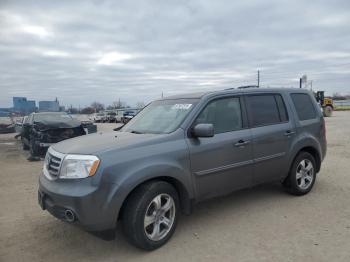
[{"x": 260, "y": 224}]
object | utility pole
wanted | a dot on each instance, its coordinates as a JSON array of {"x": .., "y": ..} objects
[{"x": 258, "y": 78}]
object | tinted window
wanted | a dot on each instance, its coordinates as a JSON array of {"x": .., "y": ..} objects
[
  {"x": 304, "y": 106},
  {"x": 281, "y": 108},
  {"x": 224, "y": 114},
  {"x": 263, "y": 110}
]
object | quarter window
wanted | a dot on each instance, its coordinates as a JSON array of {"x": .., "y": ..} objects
[
  {"x": 224, "y": 114},
  {"x": 304, "y": 106}
]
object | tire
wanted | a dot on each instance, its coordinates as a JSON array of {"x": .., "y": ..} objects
[
  {"x": 144, "y": 200},
  {"x": 33, "y": 149},
  {"x": 327, "y": 111},
  {"x": 24, "y": 145},
  {"x": 302, "y": 175}
]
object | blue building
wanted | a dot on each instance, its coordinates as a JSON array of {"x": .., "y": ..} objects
[
  {"x": 49, "y": 106},
  {"x": 22, "y": 105}
]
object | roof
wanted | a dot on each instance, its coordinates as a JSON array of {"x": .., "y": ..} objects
[{"x": 199, "y": 95}]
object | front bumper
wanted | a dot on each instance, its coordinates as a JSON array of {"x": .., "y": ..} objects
[{"x": 92, "y": 205}]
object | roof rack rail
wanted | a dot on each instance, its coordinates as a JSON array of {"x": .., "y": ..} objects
[{"x": 249, "y": 86}]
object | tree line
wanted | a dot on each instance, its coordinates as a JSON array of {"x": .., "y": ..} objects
[{"x": 97, "y": 107}]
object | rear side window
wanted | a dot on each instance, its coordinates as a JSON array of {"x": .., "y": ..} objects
[
  {"x": 304, "y": 106},
  {"x": 224, "y": 114},
  {"x": 266, "y": 109}
]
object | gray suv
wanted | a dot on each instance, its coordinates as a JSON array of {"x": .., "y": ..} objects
[{"x": 179, "y": 151}]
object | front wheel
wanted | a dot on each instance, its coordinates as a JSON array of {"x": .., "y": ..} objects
[
  {"x": 150, "y": 215},
  {"x": 302, "y": 175},
  {"x": 24, "y": 145},
  {"x": 33, "y": 148}
]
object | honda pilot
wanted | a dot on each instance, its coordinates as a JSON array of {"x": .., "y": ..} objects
[{"x": 179, "y": 151}]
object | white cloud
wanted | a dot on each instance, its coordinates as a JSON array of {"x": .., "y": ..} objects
[
  {"x": 55, "y": 53},
  {"x": 113, "y": 58},
  {"x": 35, "y": 30}
]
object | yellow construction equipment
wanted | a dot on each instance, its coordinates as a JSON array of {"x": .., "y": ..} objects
[{"x": 325, "y": 102}]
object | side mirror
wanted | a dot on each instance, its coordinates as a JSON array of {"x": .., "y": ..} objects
[{"x": 203, "y": 130}]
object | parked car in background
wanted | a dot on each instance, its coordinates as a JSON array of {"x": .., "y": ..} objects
[
  {"x": 179, "y": 151},
  {"x": 119, "y": 115},
  {"x": 98, "y": 117},
  {"x": 111, "y": 117},
  {"x": 128, "y": 115},
  {"x": 7, "y": 125},
  {"x": 41, "y": 130}
]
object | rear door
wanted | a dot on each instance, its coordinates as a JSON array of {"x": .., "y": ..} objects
[
  {"x": 272, "y": 132},
  {"x": 222, "y": 163}
]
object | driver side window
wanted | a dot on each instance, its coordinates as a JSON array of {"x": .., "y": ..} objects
[{"x": 224, "y": 114}]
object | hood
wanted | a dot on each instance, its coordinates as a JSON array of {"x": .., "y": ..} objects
[
  {"x": 44, "y": 125},
  {"x": 99, "y": 142}
]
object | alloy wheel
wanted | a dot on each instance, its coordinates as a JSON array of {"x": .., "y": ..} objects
[
  {"x": 159, "y": 217},
  {"x": 305, "y": 174}
]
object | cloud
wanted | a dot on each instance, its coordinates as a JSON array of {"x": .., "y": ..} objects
[
  {"x": 38, "y": 31},
  {"x": 83, "y": 51},
  {"x": 113, "y": 58}
]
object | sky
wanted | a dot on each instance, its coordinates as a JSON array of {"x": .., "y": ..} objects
[{"x": 86, "y": 51}]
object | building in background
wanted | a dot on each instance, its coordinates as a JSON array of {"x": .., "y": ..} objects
[
  {"x": 5, "y": 112},
  {"x": 49, "y": 106},
  {"x": 23, "y": 106}
]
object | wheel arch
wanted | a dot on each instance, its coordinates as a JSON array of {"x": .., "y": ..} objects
[
  {"x": 311, "y": 150},
  {"x": 184, "y": 196}
]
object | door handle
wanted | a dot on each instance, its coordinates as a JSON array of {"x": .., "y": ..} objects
[
  {"x": 242, "y": 143},
  {"x": 289, "y": 133}
]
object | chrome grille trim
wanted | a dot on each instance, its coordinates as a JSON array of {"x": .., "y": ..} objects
[{"x": 52, "y": 165}]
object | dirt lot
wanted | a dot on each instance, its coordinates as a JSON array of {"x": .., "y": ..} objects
[{"x": 261, "y": 224}]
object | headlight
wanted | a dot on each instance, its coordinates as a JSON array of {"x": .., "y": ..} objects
[{"x": 79, "y": 166}]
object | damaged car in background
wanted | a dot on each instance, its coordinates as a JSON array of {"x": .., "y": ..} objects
[
  {"x": 40, "y": 130},
  {"x": 6, "y": 126}
]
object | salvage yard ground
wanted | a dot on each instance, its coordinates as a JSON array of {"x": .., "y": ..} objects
[{"x": 260, "y": 224}]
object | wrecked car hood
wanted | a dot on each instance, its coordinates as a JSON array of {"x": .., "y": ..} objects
[{"x": 44, "y": 125}]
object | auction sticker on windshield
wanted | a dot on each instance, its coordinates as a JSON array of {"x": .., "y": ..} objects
[{"x": 181, "y": 106}]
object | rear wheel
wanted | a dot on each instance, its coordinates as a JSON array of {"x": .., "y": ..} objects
[
  {"x": 302, "y": 175},
  {"x": 150, "y": 215},
  {"x": 327, "y": 111}
]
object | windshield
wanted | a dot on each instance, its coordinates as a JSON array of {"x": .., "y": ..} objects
[
  {"x": 51, "y": 117},
  {"x": 160, "y": 117}
]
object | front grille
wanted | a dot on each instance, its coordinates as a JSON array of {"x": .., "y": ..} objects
[
  {"x": 53, "y": 165},
  {"x": 53, "y": 161}
]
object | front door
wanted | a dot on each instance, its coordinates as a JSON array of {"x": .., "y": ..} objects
[{"x": 222, "y": 163}]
